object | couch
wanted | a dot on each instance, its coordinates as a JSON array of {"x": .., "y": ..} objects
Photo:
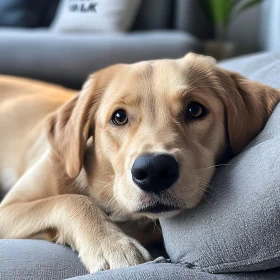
[
  {"x": 162, "y": 29},
  {"x": 233, "y": 234}
]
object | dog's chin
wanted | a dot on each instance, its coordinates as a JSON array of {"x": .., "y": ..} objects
[{"x": 158, "y": 210}]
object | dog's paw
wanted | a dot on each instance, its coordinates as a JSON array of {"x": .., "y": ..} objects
[{"x": 112, "y": 253}]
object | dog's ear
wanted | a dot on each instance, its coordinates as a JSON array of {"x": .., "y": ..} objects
[
  {"x": 248, "y": 106},
  {"x": 71, "y": 126},
  {"x": 69, "y": 129},
  {"x": 199, "y": 60}
]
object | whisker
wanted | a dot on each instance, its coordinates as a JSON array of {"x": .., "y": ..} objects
[
  {"x": 156, "y": 226},
  {"x": 106, "y": 186},
  {"x": 211, "y": 187},
  {"x": 202, "y": 193},
  {"x": 217, "y": 165},
  {"x": 206, "y": 183},
  {"x": 111, "y": 201},
  {"x": 209, "y": 190},
  {"x": 179, "y": 151}
]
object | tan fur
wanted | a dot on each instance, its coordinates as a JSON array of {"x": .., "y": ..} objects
[{"x": 72, "y": 166}]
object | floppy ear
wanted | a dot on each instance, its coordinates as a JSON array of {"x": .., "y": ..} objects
[
  {"x": 69, "y": 127},
  {"x": 199, "y": 60},
  {"x": 248, "y": 106}
]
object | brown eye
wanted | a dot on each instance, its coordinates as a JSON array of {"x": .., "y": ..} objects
[
  {"x": 196, "y": 110},
  {"x": 119, "y": 117}
]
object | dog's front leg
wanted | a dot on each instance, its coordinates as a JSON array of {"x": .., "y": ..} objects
[
  {"x": 35, "y": 205},
  {"x": 79, "y": 223}
]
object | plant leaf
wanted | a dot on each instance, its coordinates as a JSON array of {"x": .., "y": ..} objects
[{"x": 217, "y": 10}]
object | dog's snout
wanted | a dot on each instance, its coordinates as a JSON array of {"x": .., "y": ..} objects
[{"x": 155, "y": 172}]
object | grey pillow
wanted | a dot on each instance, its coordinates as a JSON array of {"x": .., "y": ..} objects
[{"x": 237, "y": 228}]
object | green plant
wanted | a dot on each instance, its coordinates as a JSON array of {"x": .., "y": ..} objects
[{"x": 221, "y": 13}]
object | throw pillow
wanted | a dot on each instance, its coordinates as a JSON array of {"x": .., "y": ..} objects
[{"x": 95, "y": 15}]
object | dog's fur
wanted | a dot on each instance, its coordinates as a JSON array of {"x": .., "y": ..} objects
[{"x": 70, "y": 167}]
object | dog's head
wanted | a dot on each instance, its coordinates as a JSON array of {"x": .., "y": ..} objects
[{"x": 150, "y": 134}]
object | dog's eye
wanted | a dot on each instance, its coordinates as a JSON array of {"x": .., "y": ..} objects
[
  {"x": 119, "y": 117},
  {"x": 196, "y": 110}
]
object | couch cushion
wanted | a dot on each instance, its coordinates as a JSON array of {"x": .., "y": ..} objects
[
  {"x": 261, "y": 67},
  {"x": 68, "y": 59},
  {"x": 21, "y": 13},
  {"x": 238, "y": 227},
  {"x": 167, "y": 271},
  {"x": 37, "y": 259}
]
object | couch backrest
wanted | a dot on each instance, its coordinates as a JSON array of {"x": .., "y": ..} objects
[
  {"x": 50, "y": 10},
  {"x": 189, "y": 16},
  {"x": 154, "y": 14},
  {"x": 185, "y": 15}
]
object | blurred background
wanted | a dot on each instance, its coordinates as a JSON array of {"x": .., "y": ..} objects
[{"x": 63, "y": 41}]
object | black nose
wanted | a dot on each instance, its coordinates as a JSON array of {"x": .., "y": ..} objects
[{"x": 155, "y": 172}]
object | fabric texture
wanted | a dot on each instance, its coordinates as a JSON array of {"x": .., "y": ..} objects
[
  {"x": 262, "y": 67},
  {"x": 237, "y": 228},
  {"x": 21, "y": 13},
  {"x": 162, "y": 270},
  {"x": 36, "y": 259},
  {"x": 95, "y": 15}
]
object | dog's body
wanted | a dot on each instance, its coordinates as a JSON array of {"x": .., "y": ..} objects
[
  {"x": 69, "y": 158},
  {"x": 24, "y": 105}
]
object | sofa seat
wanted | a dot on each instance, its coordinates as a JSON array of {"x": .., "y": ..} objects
[{"x": 36, "y": 259}]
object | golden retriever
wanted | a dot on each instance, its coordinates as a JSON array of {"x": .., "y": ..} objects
[{"x": 138, "y": 142}]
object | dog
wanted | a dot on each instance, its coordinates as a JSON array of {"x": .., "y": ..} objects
[{"x": 94, "y": 169}]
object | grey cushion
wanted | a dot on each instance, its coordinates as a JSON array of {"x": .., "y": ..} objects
[
  {"x": 167, "y": 271},
  {"x": 68, "y": 59},
  {"x": 35, "y": 259},
  {"x": 261, "y": 67},
  {"x": 238, "y": 227},
  {"x": 21, "y": 13}
]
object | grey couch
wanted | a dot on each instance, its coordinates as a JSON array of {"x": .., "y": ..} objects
[
  {"x": 162, "y": 29},
  {"x": 233, "y": 234}
]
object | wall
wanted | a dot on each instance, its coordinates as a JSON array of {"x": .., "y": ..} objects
[
  {"x": 270, "y": 33},
  {"x": 245, "y": 30}
]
